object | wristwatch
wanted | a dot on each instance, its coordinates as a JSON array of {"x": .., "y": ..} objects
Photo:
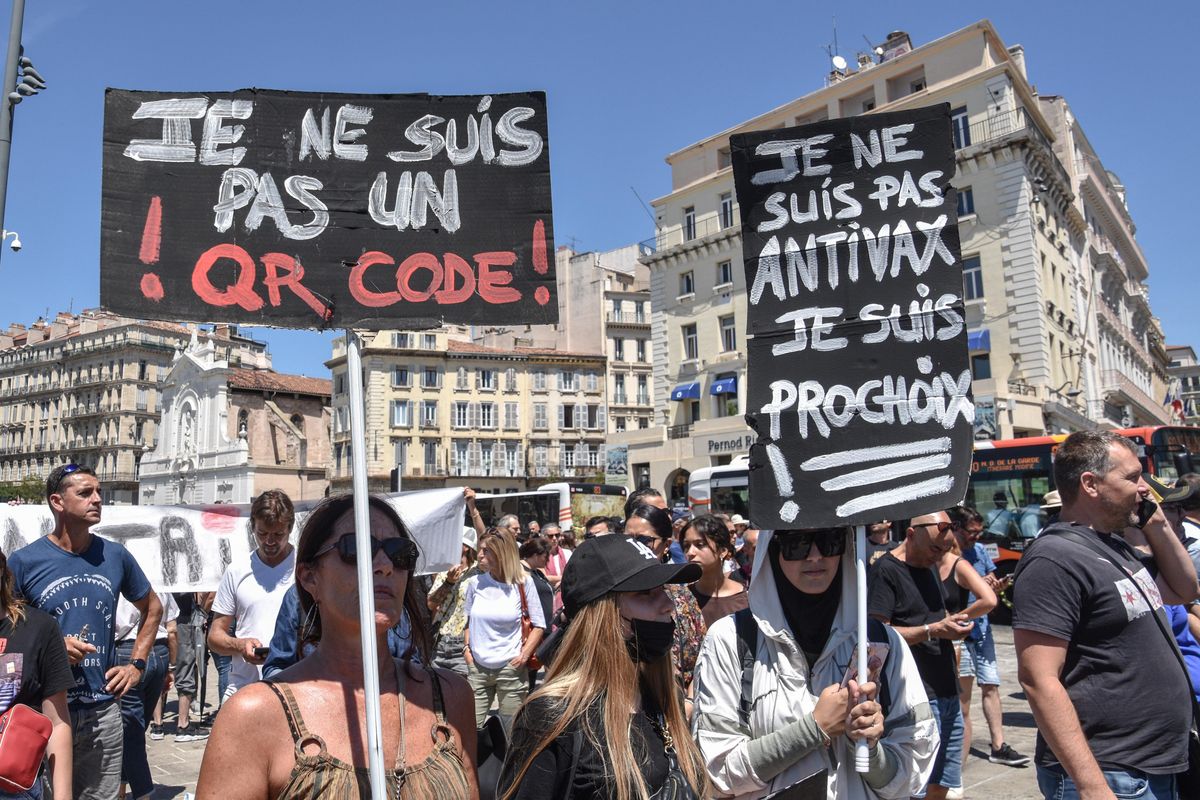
[{"x": 138, "y": 663}]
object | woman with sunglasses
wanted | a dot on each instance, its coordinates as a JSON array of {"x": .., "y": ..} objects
[
  {"x": 651, "y": 526},
  {"x": 497, "y": 655},
  {"x": 302, "y": 733},
  {"x": 708, "y": 541},
  {"x": 775, "y": 701},
  {"x": 608, "y": 721}
]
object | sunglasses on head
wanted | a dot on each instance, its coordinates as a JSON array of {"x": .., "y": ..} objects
[
  {"x": 796, "y": 546},
  {"x": 402, "y": 552},
  {"x": 942, "y": 526},
  {"x": 69, "y": 468}
]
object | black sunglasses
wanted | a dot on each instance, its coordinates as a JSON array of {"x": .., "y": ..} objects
[
  {"x": 797, "y": 546},
  {"x": 402, "y": 552},
  {"x": 649, "y": 541}
]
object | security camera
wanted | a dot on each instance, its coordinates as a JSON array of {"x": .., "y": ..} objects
[{"x": 16, "y": 244}]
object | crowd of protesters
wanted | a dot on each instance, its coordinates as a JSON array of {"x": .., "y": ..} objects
[{"x": 664, "y": 655}]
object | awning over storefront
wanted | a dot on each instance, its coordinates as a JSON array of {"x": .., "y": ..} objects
[
  {"x": 979, "y": 340},
  {"x": 686, "y": 391},
  {"x": 724, "y": 386}
]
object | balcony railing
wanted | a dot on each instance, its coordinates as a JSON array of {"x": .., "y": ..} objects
[
  {"x": 679, "y": 431},
  {"x": 1118, "y": 382},
  {"x": 627, "y": 318},
  {"x": 706, "y": 225}
]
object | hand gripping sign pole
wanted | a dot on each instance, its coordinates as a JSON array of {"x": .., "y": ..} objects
[
  {"x": 366, "y": 580},
  {"x": 862, "y": 753}
]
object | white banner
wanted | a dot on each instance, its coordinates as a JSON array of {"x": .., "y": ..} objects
[{"x": 186, "y": 548}]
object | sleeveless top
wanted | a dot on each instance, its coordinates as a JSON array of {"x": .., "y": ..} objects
[
  {"x": 441, "y": 776},
  {"x": 953, "y": 595}
]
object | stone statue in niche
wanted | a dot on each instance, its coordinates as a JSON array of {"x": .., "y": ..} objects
[{"x": 189, "y": 425}]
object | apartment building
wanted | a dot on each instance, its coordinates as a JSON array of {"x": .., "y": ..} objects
[
  {"x": 1184, "y": 369},
  {"x": 1024, "y": 233},
  {"x": 449, "y": 412},
  {"x": 84, "y": 388},
  {"x": 603, "y": 308},
  {"x": 229, "y": 434}
]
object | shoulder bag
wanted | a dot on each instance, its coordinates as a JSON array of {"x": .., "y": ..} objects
[
  {"x": 24, "y": 735},
  {"x": 527, "y": 628}
]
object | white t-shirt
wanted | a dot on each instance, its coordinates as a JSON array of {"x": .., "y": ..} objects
[
  {"x": 251, "y": 593},
  {"x": 494, "y": 618},
  {"x": 128, "y": 617}
]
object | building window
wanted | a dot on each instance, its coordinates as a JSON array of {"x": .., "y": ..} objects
[
  {"x": 643, "y": 391},
  {"x": 972, "y": 278},
  {"x": 693, "y": 411},
  {"x": 462, "y": 415},
  {"x": 724, "y": 273},
  {"x": 143, "y": 371},
  {"x": 687, "y": 283},
  {"x": 691, "y": 343},
  {"x": 619, "y": 424},
  {"x": 430, "y": 378},
  {"x": 429, "y": 413},
  {"x": 462, "y": 381},
  {"x": 619, "y": 396},
  {"x": 981, "y": 367},
  {"x": 724, "y": 157},
  {"x": 641, "y": 350},
  {"x": 728, "y": 334},
  {"x": 401, "y": 414},
  {"x": 485, "y": 380},
  {"x": 401, "y": 340},
  {"x": 539, "y": 380},
  {"x": 566, "y": 381},
  {"x": 401, "y": 377},
  {"x": 487, "y": 416},
  {"x": 431, "y": 457},
  {"x": 540, "y": 420},
  {"x": 429, "y": 341},
  {"x": 510, "y": 380},
  {"x": 966, "y": 201},
  {"x": 689, "y": 223},
  {"x": 960, "y": 124},
  {"x": 511, "y": 420},
  {"x": 726, "y": 206}
]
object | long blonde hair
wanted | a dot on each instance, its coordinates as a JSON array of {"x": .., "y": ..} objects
[
  {"x": 592, "y": 663},
  {"x": 505, "y": 562}
]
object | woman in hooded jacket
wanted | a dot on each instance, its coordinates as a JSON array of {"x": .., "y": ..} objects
[{"x": 773, "y": 706}]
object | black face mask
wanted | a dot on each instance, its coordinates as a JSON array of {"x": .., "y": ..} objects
[{"x": 650, "y": 640}]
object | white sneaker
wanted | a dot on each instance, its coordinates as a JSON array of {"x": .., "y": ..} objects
[{"x": 954, "y": 793}]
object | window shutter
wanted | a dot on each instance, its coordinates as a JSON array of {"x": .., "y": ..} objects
[
  {"x": 580, "y": 415},
  {"x": 602, "y": 418},
  {"x": 562, "y": 417}
]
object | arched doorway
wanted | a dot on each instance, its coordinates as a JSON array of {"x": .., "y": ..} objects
[{"x": 677, "y": 487}]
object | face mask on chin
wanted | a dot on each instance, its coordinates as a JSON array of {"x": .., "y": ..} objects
[{"x": 650, "y": 640}]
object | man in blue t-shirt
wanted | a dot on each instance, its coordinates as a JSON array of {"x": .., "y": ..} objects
[
  {"x": 76, "y": 577},
  {"x": 978, "y": 661}
]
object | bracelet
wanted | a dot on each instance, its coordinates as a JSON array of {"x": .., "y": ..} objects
[
  {"x": 825, "y": 740},
  {"x": 928, "y": 634}
]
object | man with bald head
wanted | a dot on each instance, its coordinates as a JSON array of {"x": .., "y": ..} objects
[{"x": 905, "y": 592}]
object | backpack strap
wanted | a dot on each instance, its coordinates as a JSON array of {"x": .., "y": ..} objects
[{"x": 747, "y": 644}]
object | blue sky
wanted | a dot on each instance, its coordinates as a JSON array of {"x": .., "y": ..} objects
[{"x": 627, "y": 83}]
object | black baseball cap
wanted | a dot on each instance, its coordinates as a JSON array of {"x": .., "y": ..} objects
[{"x": 616, "y": 563}]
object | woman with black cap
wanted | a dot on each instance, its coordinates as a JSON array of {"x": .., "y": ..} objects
[
  {"x": 608, "y": 722},
  {"x": 775, "y": 701}
]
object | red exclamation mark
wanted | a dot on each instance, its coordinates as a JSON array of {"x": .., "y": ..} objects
[
  {"x": 541, "y": 264},
  {"x": 151, "y": 286}
]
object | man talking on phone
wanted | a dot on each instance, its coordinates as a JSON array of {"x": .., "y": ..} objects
[
  {"x": 252, "y": 589},
  {"x": 1107, "y": 689}
]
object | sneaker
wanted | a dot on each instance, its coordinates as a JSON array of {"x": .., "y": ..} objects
[
  {"x": 156, "y": 732},
  {"x": 1006, "y": 755},
  {"x": 954, "y": 793},
  {"x": 192, "y": 733}
]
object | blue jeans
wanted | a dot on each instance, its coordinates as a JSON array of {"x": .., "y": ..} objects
[
  {"x": 947, "y": 765},
  {"x": 223, "y": 663},
  {"x": 32, "y": 793},
  {"x": 137, "y": 708},
  {"x": 1056, "y": 785}
]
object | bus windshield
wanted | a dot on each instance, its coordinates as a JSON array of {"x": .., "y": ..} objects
[{"x": 1007, "y": 486}]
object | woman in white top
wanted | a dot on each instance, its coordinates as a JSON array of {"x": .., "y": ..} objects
[{"x": 494, "y": 650}]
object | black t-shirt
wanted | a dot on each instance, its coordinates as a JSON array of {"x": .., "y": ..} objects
[
  {"x": 1126, "y": 685},
  {"x": 878, "y": 551},
  {"x": 33, "y": 660},
  {"x": 546, "y": 778},
  {"x": 908, "y": 597}
]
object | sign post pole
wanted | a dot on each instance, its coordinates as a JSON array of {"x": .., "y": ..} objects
[
  {"x": 862, "y": 752},
  {"x": 366, "y": 580}
]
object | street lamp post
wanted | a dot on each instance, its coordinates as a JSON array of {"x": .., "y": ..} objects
[{"x": 6, "y": 105}]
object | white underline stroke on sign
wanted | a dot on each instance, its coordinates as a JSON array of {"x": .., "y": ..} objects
[
  {"x": 887, "y": 472},
  {"x": 863, "y": 454},
  {"x": 900, "y": 494}
]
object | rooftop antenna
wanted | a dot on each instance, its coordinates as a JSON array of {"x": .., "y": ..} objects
[{"x": 872, "y": 47}]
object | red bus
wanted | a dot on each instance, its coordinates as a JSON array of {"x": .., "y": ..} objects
[{"x": 1010, "y": 478}]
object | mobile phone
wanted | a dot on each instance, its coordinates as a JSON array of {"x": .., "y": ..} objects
[
  {"x": 1145, "y": 511},
  {"x": 262, "y": 652}
]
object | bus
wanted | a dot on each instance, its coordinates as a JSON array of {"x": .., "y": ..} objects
[
  {"x": 721, "y": 490},
  {"x": 1010, "y": 478}
]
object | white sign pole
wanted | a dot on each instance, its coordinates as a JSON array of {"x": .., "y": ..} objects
[
  {"x": 862, "y": 752},
  {"x": 366, "y": 580}
]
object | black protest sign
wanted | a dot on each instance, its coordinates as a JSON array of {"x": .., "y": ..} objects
[
  {"x": 308, "y": 210},
  {"x": 859, "y": 383}
]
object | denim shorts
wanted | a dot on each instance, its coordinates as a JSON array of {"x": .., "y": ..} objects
[
  {"x": 1055, "y": 785},
  {"x": 947, "y": 766},
  {"x": 978, "y": 661}
]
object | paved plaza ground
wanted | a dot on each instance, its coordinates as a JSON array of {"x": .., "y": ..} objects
[{"x": 176, "y": 765}]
